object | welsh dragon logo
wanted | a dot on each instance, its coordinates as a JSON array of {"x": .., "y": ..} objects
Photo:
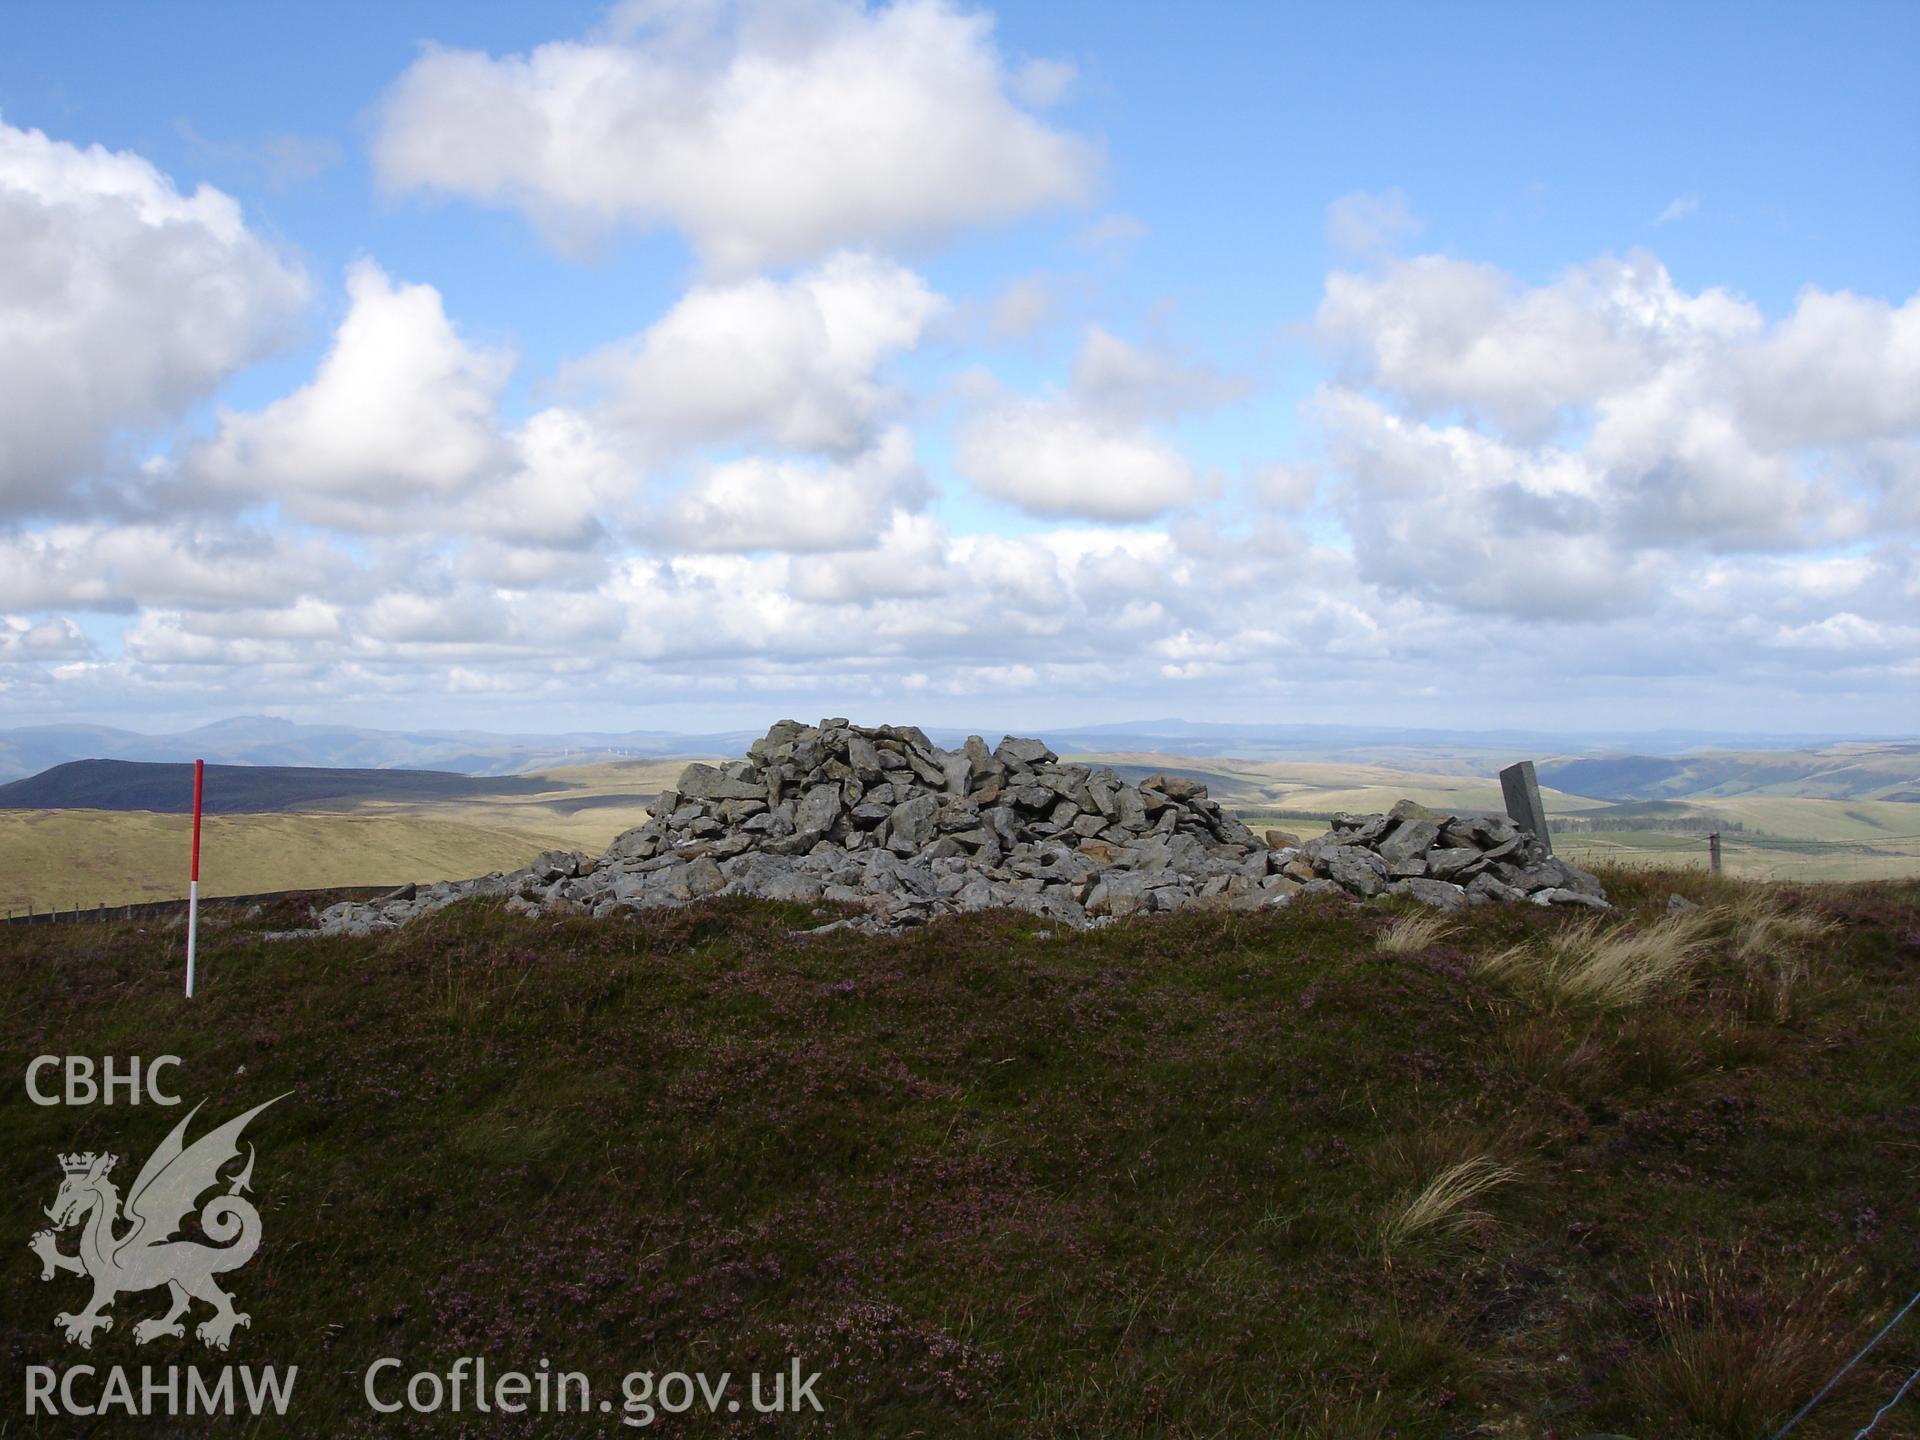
[{"x": 135, "y": 1250}]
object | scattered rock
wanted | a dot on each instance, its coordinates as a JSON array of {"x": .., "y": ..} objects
[{"x": 1437, "y": 893}]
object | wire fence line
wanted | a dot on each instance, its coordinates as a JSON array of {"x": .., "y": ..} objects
[
  {"x": 1880, "y": 1414},
  {"x": 163, "y": 909},
  {"x": 1807, "y": 1408}
]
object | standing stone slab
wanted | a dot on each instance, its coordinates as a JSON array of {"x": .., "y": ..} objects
[{"x": 1522, "y": 793}]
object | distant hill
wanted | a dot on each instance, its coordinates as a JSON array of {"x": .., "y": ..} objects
[
  {"x": 263, "y": 740},
  {"x": 268, "y": 740},
  {"x": 242, "y": 789},
  {"x": 1861, "y": 771}
]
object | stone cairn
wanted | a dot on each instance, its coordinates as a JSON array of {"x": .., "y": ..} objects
[{"x": 886, "y": 820}]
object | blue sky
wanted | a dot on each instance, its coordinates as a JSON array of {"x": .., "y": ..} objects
[{"x": 1470, "y": 366}]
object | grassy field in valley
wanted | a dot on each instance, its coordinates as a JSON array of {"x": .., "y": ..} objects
[
  {"x": 1748, "y": 856},
  {"x": 63, "y": 858},
  {"x": 1325, "y": 1172},
  {"x": 586, "y": 806}
]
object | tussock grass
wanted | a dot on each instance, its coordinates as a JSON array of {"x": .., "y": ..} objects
[
  {"x": 1603, "y": 963},
  {"x": 1410, "y": 934},
  {"x": 1369, "y": 1419},
  {"x": 1773, "y": 940},
  {"x": 1444, "y": 1206},
  {"x": 1763, "y": 925},
  {"x": 1734, "y": 1352}
]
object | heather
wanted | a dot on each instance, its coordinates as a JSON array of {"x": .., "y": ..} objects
[{"x": 1333, "y": 1170}]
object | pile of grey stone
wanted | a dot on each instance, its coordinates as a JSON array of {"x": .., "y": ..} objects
[
  {"x": 1447, "y": 861},
  {"x": 884, "y": 820}
]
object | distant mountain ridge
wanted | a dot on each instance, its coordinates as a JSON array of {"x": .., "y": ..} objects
[
  {"x": 266, "y": 740},
  {"x": 1887, "y": 771},
  {"x": 167, "y": 788}
]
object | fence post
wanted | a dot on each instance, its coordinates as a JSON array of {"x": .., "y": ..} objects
[
  {"x": 193, "y": 883},
  {"x": 1521, "y": 790},
  {"x": 1713, "y": 852}
]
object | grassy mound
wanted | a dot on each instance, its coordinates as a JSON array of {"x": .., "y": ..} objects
[{"x": 1326, "y": 1172}]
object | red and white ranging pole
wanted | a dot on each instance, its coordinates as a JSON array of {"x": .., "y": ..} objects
[{"x": 193, "y": 879}]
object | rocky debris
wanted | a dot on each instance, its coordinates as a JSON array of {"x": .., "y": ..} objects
[
  {"x": 883, "y": 819},
  {"x": 1442, "y": 860}
]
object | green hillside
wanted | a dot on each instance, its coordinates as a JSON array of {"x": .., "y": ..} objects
[
  {"x": 361, "y": 834},
  {"x": 1877, "y": 771},
  {"x": 1313, "y": 1173},
  {"x": 239, "y": 789}
]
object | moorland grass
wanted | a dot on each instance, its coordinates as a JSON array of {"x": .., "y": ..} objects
[{"x": 991, "y": 1181}]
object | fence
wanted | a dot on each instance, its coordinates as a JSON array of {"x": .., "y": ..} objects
[{"x": 168, "y": 909}]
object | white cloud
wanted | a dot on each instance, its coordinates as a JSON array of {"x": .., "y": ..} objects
[
  {"x": 1366, "y": 224},
  {"x": 1840, "y": 368},
  {"x": 1612, "y": 406},
  {"x": 1846, "y": 632},
  {"x": 122, "y": 303},
  {"x": 1051, "y": 457},
  {"x": 473, "y": 615},
  {"x": 1462, "y": 519},
  {"x": 1678, "y": 208},
  {"x": 400, "y": 409},
  {"x": 1090, "y": 452},
  {"x": 796, "y": 505},
  {"x": 124, "y": 567},
  {"x": 907, "y": 560},
  {"x": 47, "y": 641},
  {"x": 767, "y": 133},
  {"x": 1285, "y": 485},
  {"x": 1022, "y": 307},
  {"x": 1446, "y": 334},
  {"x": 1115, "y": 375},
  {"x": 792, "y": 364}
]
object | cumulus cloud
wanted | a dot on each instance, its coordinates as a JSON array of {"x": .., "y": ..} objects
[
  {"x": 1285, "y": 484},
  {"x": 122, "y": 303},
  {"x": 796, "y": 505},
  {"x": 792, "y": 364},
  {"x": 1090, "y": 451},
  {"x": 1206, "y": 608},
  {"x": 907, "y": 560},
  {"x": 53, "y": 639},
  {"x": 1849, "y": 633},
  {"x": 400, "y": 409},
  {"x": 1551, "y": 449},
  {"x": 1498, "y": 476},
  {"x": 1051, "y": 457},
  {"x": 766, "y": 133},
  {"x": 103, "y": 566},
  {"x": 1443, "y": 334},
  {"x": 1114, "y": 375},
  {"x": 1840, "y": 368}
]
